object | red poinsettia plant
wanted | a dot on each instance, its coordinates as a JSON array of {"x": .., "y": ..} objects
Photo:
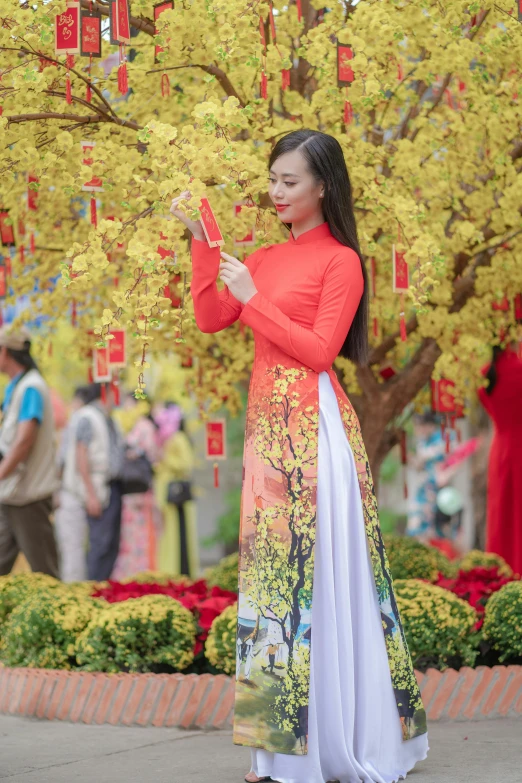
[
  {"x": 205, "y": 602},
  {"x": 475, "y": 587}
]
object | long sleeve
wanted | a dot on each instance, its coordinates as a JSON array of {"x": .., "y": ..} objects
[
  {"x": 317, "y": 347},
  {"x": 214, "y": 310}
]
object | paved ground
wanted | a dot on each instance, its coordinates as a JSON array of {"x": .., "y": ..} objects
[{"x": 34, "y": 751}]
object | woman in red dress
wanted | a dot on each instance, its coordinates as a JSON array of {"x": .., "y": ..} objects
[
  {"x": 502, "y": 399},
  {"x": 327, "y": 691}
]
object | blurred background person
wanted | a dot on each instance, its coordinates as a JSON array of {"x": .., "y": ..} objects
[
  {"x": 430, "y": 450},
  {"x": 70, "y": 515},
  {"x": 28, "y": 476},
  {"x": 502, "y": 399},
  {"x": 140, "y": 521},
  {"x": 178, "y": 547},
  {"x": 92, "y": 472}
]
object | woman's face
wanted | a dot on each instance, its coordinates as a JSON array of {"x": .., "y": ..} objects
[{"x": 295, "y": 193}]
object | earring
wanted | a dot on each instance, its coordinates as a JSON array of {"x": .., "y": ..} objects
[{"x": 321, "y": 195}]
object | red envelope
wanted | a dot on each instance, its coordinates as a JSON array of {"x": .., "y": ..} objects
[
  {"x": 345, "y": 73},
  {"x": 210, "y": 225},
  {"x": 101, "y": 368},
  {"x": 158, "y": 10},
  {"x": 401, "y": 277},
  {"x": 216, "y": 443},
  {"x": 6, "y": 229},
  {"x": 123, "y": 30},
  {"x": 248, "y": 239},
  {"x": 3, "y": 282},
  {"x": 91, "y": 34},
  {"x": 118, "y": 348},
  {"x": 67, "y": 30},
  {"x": 95, "y": 185}
]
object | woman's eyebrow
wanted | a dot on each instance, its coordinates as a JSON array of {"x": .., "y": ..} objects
[{"x": 288, "y": 174}]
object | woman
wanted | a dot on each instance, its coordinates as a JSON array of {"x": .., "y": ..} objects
[
  {"x": 139, "y": 518},
  {"x": 331, "y": 710},
  {"x": 178, "y": 551},
  {"x": 501, "y": 399}
]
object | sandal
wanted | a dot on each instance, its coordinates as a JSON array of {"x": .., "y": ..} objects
[{"x": 259, "y": 780}]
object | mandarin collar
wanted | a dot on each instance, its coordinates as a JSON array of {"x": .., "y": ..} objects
[{"x": 319, "y": 232}]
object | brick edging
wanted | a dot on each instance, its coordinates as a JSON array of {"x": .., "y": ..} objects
[{"x": 206, "y": 701}]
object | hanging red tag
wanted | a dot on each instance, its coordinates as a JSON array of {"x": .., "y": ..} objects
[
  {"x": 113, "y": 23},
  {"x": 7, "y": 236},
  {"x": 272, "y": 23},
  {"x": 91, "y": 38},
  {"x": 401, "y": 278},
  {"x": 22, "y": 255},
  {"x": 285, "y": 79},
  {"x": 101, "y": 368},
  {"x": 88, "y": 93},
  {"x": 299, "y": 10},
  {"x": 345, "y": 75},
  {"x": 250, "y": 238},
  {"x": 210, "y": 225},
  {"x": 158, "y": 10},
  {"x": 123, "y": 30},
  {"x": 262, "y": 33},
  {"x": 74, "y": 315},
  {"x": 118, "y": 348},
  {"x": 94, "y": 185},
  {"x": 3, "y": 281},
  {"x": 264, "y": 86},
  {"x": 400, "y": 75},
  {"x": 94, "y": 215},
  {"x": 165, "y": 85},
  {"x": 33, "y": 184},
  {"x": 32, "y": 244},
  {"x": 123, "y": 83},
  {"x": 67, "y": 30}
]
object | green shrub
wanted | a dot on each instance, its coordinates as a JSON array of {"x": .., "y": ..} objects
[
  {"x": 410, "y": 559},
  {"x": 503, "y": 621},
  {"x": 15, "y": 588},
  {"x": 138, "y": 635},
  {"x": 220, "y": 647},
  {"x": 225, "y": 573},
  {"x": 41, "y": 631},
  {"x": 478, "y": 559},
  {"x": 438, "y": 625}
]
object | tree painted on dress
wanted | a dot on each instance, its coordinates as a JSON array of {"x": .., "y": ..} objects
[{"x": 433, "y": 151}]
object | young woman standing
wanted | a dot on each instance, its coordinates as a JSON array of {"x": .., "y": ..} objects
[{"x": 339, "y": 699}]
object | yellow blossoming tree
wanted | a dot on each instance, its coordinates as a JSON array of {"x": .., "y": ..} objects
[{"x": 432, "y": 145}]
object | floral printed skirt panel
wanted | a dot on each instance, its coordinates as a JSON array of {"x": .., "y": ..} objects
[{"x": 276, "y": 565}]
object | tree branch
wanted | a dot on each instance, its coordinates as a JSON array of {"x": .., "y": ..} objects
[
  {"x": 87, "y": 120},
  {"x": 220, "y": 75}
]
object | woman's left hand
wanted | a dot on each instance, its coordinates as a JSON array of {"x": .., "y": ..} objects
[{"x": 237, "y": 278}]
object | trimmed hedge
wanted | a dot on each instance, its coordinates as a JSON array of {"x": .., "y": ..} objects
[
  {"x": 139, "y": 635},
  {"x": 438, "y": 625},
  {"x": 410, "y": 559},
  {"x": 42, "y": 630},
  {"x": 478, "y": 559},
  {"x": 225, "y": 573},
  {"x": 503, "y": 621},
  {"x": 220, "y": 647}
]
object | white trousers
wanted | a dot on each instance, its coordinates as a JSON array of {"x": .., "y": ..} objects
[
  {"x": 72, "y": 536},
  {"x": 354, "y": 727}
]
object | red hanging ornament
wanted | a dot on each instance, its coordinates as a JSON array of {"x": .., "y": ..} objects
[
  {"x": 348, "y": 112},
  {"x": 264, "y": 86},
  {"x": 94, "y": 215},
  {"x": 32, "y": 245},
  {"x": 22, "y": 255},
  {"x": 69, "y": 63},
  {"x": 74, "y": 318},
  {"x": 285, "y": 78},
  {"x": 123, "y": 82},
  {"x": 402, "y": 321},
  {"x": 299, "y": 10},
  {"x": 272, "y": 23},
  {"x": 88, "y": 93},
  {"x": 400, "y": 75},
  {"x": 216, "y": 475},
  {"x": 165, "y": 85}
]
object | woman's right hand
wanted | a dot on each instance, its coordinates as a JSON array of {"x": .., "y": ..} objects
[{"x": 193, "y": 226}]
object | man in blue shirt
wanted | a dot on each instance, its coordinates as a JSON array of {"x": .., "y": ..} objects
[{"x": 27, "y": 465}]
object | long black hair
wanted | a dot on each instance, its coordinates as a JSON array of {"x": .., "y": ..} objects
[
  {"x": 491, "y": 374},
  {"x": 325, "y": 160}
]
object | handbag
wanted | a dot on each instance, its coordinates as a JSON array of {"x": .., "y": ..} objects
[
  {"x": 136, "y": 475},
  {"x": 179, "y": 492}
]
